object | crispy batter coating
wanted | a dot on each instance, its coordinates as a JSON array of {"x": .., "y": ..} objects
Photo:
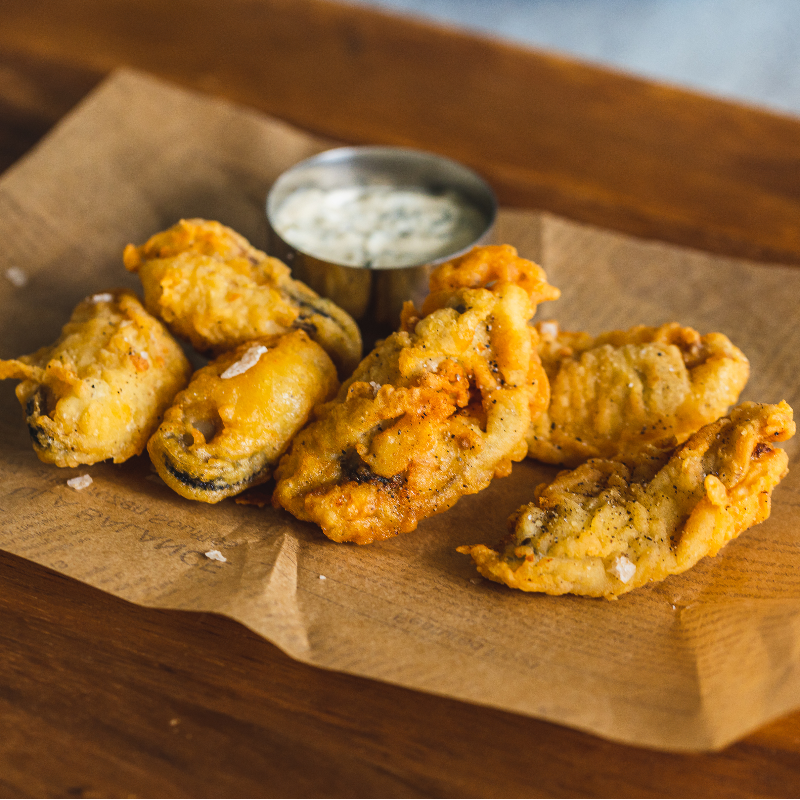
[
  {"x": 602, "y": 529},
  {"x": 100, "y": 390},
  {"x": 212, "y": 287},
  {"x": 488, "y": 266},
  {"x": 430, "y": 415},
  {"x": 228, "y": 428},
  {"x": 620, "y": 394},
  {"x": 494, "y": 267}
]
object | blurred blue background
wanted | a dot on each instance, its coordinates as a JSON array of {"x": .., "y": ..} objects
[{"x": 743, "y": 50}]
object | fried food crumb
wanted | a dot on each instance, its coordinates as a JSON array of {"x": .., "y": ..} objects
[
  {"x": 80, "y": 482},
  {"x": 254, "y": 496},
  {"x": 16, "y": 277},
  {"x": 215, "y": 555}
]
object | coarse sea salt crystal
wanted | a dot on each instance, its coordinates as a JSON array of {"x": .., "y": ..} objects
[
  {"x": 215, "y": 555},
  {"x": 80, "y": 482},
  {"x": 549, "y": 329},
  {"x": 16, "y": 277},
  {"x": 623, "y": 568},
  {"x": 249, "y": 359},
  {"x": 103, "y": 297}
]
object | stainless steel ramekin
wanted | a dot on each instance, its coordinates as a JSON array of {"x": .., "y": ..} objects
[{"x": 374, "y": 295}]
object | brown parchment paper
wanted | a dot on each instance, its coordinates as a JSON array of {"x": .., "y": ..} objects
[{"x": 688, "y": 664}]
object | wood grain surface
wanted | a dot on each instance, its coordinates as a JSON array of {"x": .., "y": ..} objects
[
  {"x": 102, "y": 698},
  {"x": 548, "y": 132}
]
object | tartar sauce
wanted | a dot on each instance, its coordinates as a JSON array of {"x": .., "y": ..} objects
[{"x": 377, "y": 226}]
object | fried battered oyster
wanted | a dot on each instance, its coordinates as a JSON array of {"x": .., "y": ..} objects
[
  {"x": 432, "y": 414},
  {"x": 212, "y": 287},
  {"x": 493, "y": 267},
  {"x": 620, "y": 394},
  {"x": 100, "y": 390},
  {"x": 228, "y": 428},
  {"x": 604, "y": 529}
]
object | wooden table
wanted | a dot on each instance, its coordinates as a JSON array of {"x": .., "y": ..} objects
[{"x": 102, "y": 698}]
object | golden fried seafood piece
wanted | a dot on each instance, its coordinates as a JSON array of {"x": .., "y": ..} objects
[
  {"x": 494, "y": 267},
  {"x": 228, "y": 428},
  {"x": 212, "y": 287},
  {"x": 430, "y": 415},
  {"x": 602, "y": 530},
  {"x": 620, "y": 394},
  {"x": 100, "y": 390},
  {"x": 486, "y": 267}
]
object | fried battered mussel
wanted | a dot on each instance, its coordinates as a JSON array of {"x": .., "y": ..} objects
[
  {"x": 604, "y": 528},
  {"x": 623, "y": 393},
  {"x": 99, "y": 392},
  {"x": 212, "y": 287},
  {"x": 228, "y": 428},
  {"x": 433, "y": 413}
]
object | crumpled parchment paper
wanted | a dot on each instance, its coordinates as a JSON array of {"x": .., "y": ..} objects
[{"x": 688, "y": 664}]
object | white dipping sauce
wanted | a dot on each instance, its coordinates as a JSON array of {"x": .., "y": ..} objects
[{"x": 377, "y": 226}]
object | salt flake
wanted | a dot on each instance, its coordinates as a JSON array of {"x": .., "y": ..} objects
[
  {"x": 249, "y": 359},
  {"x": 623, "y": 568},
  {"x": 80, "y": 483},
  {"x": 103, "y": 297},
  {"x": 215, "y": 555},
  {"x": 549, "y": 329},
  {"x": 16, "y": 277}
]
